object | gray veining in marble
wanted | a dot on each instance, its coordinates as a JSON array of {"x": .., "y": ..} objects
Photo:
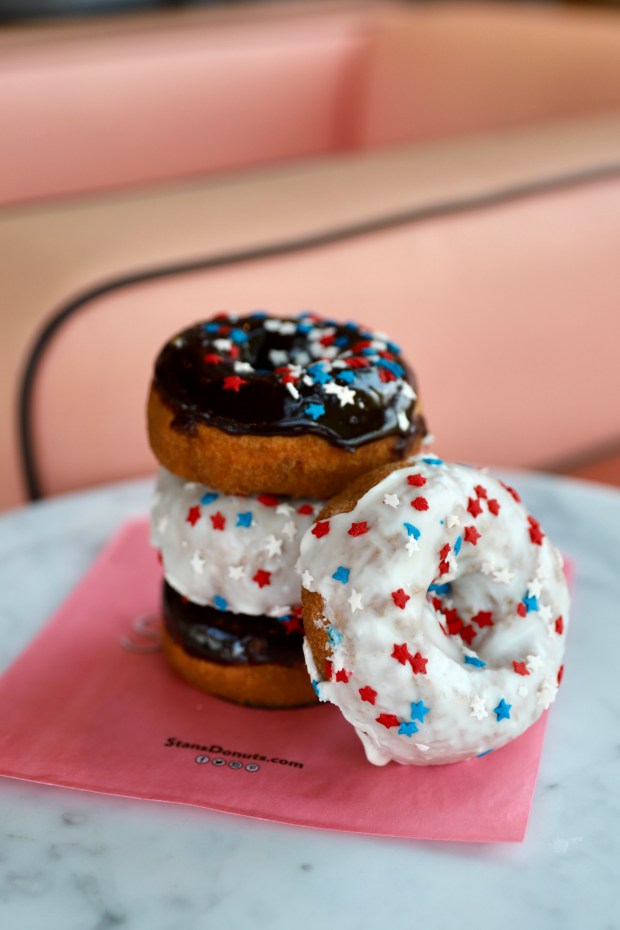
[{"x": 76, "y": 861}]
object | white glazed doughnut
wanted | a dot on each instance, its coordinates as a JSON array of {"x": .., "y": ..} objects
[
  {"x": 442, "y": 613},
  {"x": 230, "y": 552}
]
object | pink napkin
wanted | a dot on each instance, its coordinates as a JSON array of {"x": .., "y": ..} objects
[{"x": 92, "y": 704}]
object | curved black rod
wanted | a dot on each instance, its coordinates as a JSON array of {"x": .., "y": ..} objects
[{"x": 27, "y": 446}]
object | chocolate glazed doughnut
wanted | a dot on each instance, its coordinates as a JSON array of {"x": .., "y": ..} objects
[
  {"x": 291, "y": 406},
  {"x": 246, "y": 659}
]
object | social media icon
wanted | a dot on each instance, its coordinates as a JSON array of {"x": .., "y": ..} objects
[
  {"x": 219, "y": 761},
  {"x": 252, "y": 767},
  {"x": 235, "y": 764},
  {"x": 201, "y": 760}
]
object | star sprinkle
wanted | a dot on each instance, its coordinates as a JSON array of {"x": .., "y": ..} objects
[
  {"x": 244, "y": 519},
  {"x": 478, "y": 709},
  {"x": 315, "y": 411},
  {"x": 471, "y": 535},
  {"x": 494, "y": 507},
  {"x": 502, "y": 711},
  {"x": 289, "y": 529},
  {"x": 401, "y": 653},
  {"x": 283, "y": 510},
  {"x": 503, "y": 576},
  {"x": 388, "y": 720},
  {"x": 473, "y": 506},
  {"x": 344, "y": 394},
  {"x": 480, "y": 491},
  {"x": 218, "y": 520},
  {"x": 483, "y": 618},
  {"x": 559, "y": 626},
  {"x": 544, "y": 612},
  {"x": 412, "y": 530},
  {"x": 342, "y": 675},
  {"x": 417, "y": 481},
  {"x": 546, "y": 694},
  {"x": 536, "y": 534},
  {"x": 341, "y": 574},
  {"x": 452, "y": 520},
  {"x": 531, "y": 603},
  {"x": 534, "y": 588},
  {"x": 488, "y": 566},
  {"x": 272, "y": 546},
  {"x": 220, "y": 602},
  {"x": 233, "y": 383},
  {"x": 208, "y": 498},
  {"x": 418, "y": 664},
  {"x": 391, "y": 500},
  {"x": 420, "y": 503},
  {"x": 193, "y": 516},
  {"x": 412, "y": 546},
  {"x": 407, "y": 729},
  {"x": 358, "y": 529},
  {"x": 354, "y": 600},
  {"x": 307, "y": 580},
  {"x": 268, "y": 500},
  {"x": 475, "y": 661},
  {"x": 334, "y": 636},
  {"x": 236, "y": 572},
  {"x": 198, "y": 563},
  {"x": 262, "y": 578},
  {"x": 368, "y": 694},
  {"x": 419, "y": 711},
  {"x": 520, "y": 668},
  {"x": 400, "y": 598},
  {"x": 320, "y": 529},
  {"x": 534, "y": 663}
]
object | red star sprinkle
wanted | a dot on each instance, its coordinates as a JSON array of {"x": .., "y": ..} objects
[
  {"x": 483, "y": 618},
  {"x": 368, "y": 694},
  {"x": 320, "y": 529},
  {"x": 305, "y": 509},
  {"x": 400, "y": 598},
  {"x": 559, "y": 626},
  {"x": 560, "y": 675},
  {"x": 520, "y": 668},
  {"x": 453, "y": 621},
  {"x": 473, "y": 506},
  {"x": 511, "y": 491},
  {"x": 218, "y": 520},
  {"x": 443, "y": 553},
  {"x": 480, "y": 491},
  {"x": 468, "y": 633},
  {"x": 444, "y": 568},
  {"x": 293, "y": 625},
  {"x": 342, "y": 675},
  {"x": 329, "y": 669},
  {"x": 471, "y": 535},
  {"x": 262, "y": 578},
  {"x": 193, "y": 515},
  {"x": 358, "y": 529},
  {"x": 233, "y": 383},
  {"x": 388, "y": 720},
  {"x": 493, "y": 506},
  {"x": 418, "y": 481},
  {"x": 401, "y": 653},
  {"x": 536, "y": 534},
  {"x": 420, "y": 503},
  {"x": 522, "y": 609},
  {"x": 418, "y": 664},
  {"x": 268, "y": 500},
  {"x": 437, "y": 603},
  {"x": 211, "y": 359}
]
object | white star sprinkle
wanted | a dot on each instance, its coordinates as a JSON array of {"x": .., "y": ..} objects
[
  {"x": 533, "y": 663},
  {"x": 344, "y": 394},
  {"x": 198, "y": 563},
  {"x": 283, "y": 510},
  {"x": 422, "y": 747},
  {"x": 236, "y": 572},
  {"x": 272, "y": 545},
  {"x": 478, "y": 710},
  {"x": 412, "y": 546},
  {"x": 534, "y": 588},
  {"x": 452, "y": 520},
  {"x": 522, "y": 691},
  {"x": 289, "y": 529},
  {"x": 544, "y": 612},
  {"x": 243, "y": 366},
  {"x": 503, "y": 576},
  {"x": 307, "y": 580},
  {"x": 355, "y": 601},
  {"x": 547, "y": 692},
  {"x": 488, "y": 567},
  {"x": 222, "y": 344},
  {"x": 392, "y": 500}
]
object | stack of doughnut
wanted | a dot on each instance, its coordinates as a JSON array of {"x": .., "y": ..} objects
[{"x": 255, "y": 421}]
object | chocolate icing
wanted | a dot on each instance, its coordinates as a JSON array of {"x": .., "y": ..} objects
[
  {"x": 230, "y": 639},
  {"x": 289, "y": 376}
]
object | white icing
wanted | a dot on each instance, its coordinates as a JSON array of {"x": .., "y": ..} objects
[
  {"x": 459, "y": 707},
  {"x": 203, "y": 563}
]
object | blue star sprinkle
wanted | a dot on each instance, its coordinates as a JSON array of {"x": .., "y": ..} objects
[
  {"x": 412, "y": 530},
  {"x": 531, "y": 603},
  {"x": 341, "y": 574},
  {"x": 485, "y": 753},
  {"x": 209, "y": 497},
  {"x": 502, "y": 711},
  {"x": 238, "y": 336},
  {"x": 315, "y": 685},
  {"x": 220, "y": 602},
  {"x": 244, "y": 519},
  {"x": 315, "y": 410},
  {"x": 347, "y": 376},
  {"x": 433, "y": 461},
  {"x": 407, "y": 729},
  {"x": 212, "y": 327},
  {"x": 475, "y": 661},
  {"x": 441, "y": 589},
  {"x": 334, "y": 636},
  {"x": 457, "y": 545},
  {"x": 319, "y": 375},
  {"x": 419, "y": 711}
]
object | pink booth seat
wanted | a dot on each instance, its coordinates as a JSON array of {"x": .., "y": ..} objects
[{"x": 487, "y": 247}]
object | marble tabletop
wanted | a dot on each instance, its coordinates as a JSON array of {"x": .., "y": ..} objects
[{"x": 72, "y": 860}]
